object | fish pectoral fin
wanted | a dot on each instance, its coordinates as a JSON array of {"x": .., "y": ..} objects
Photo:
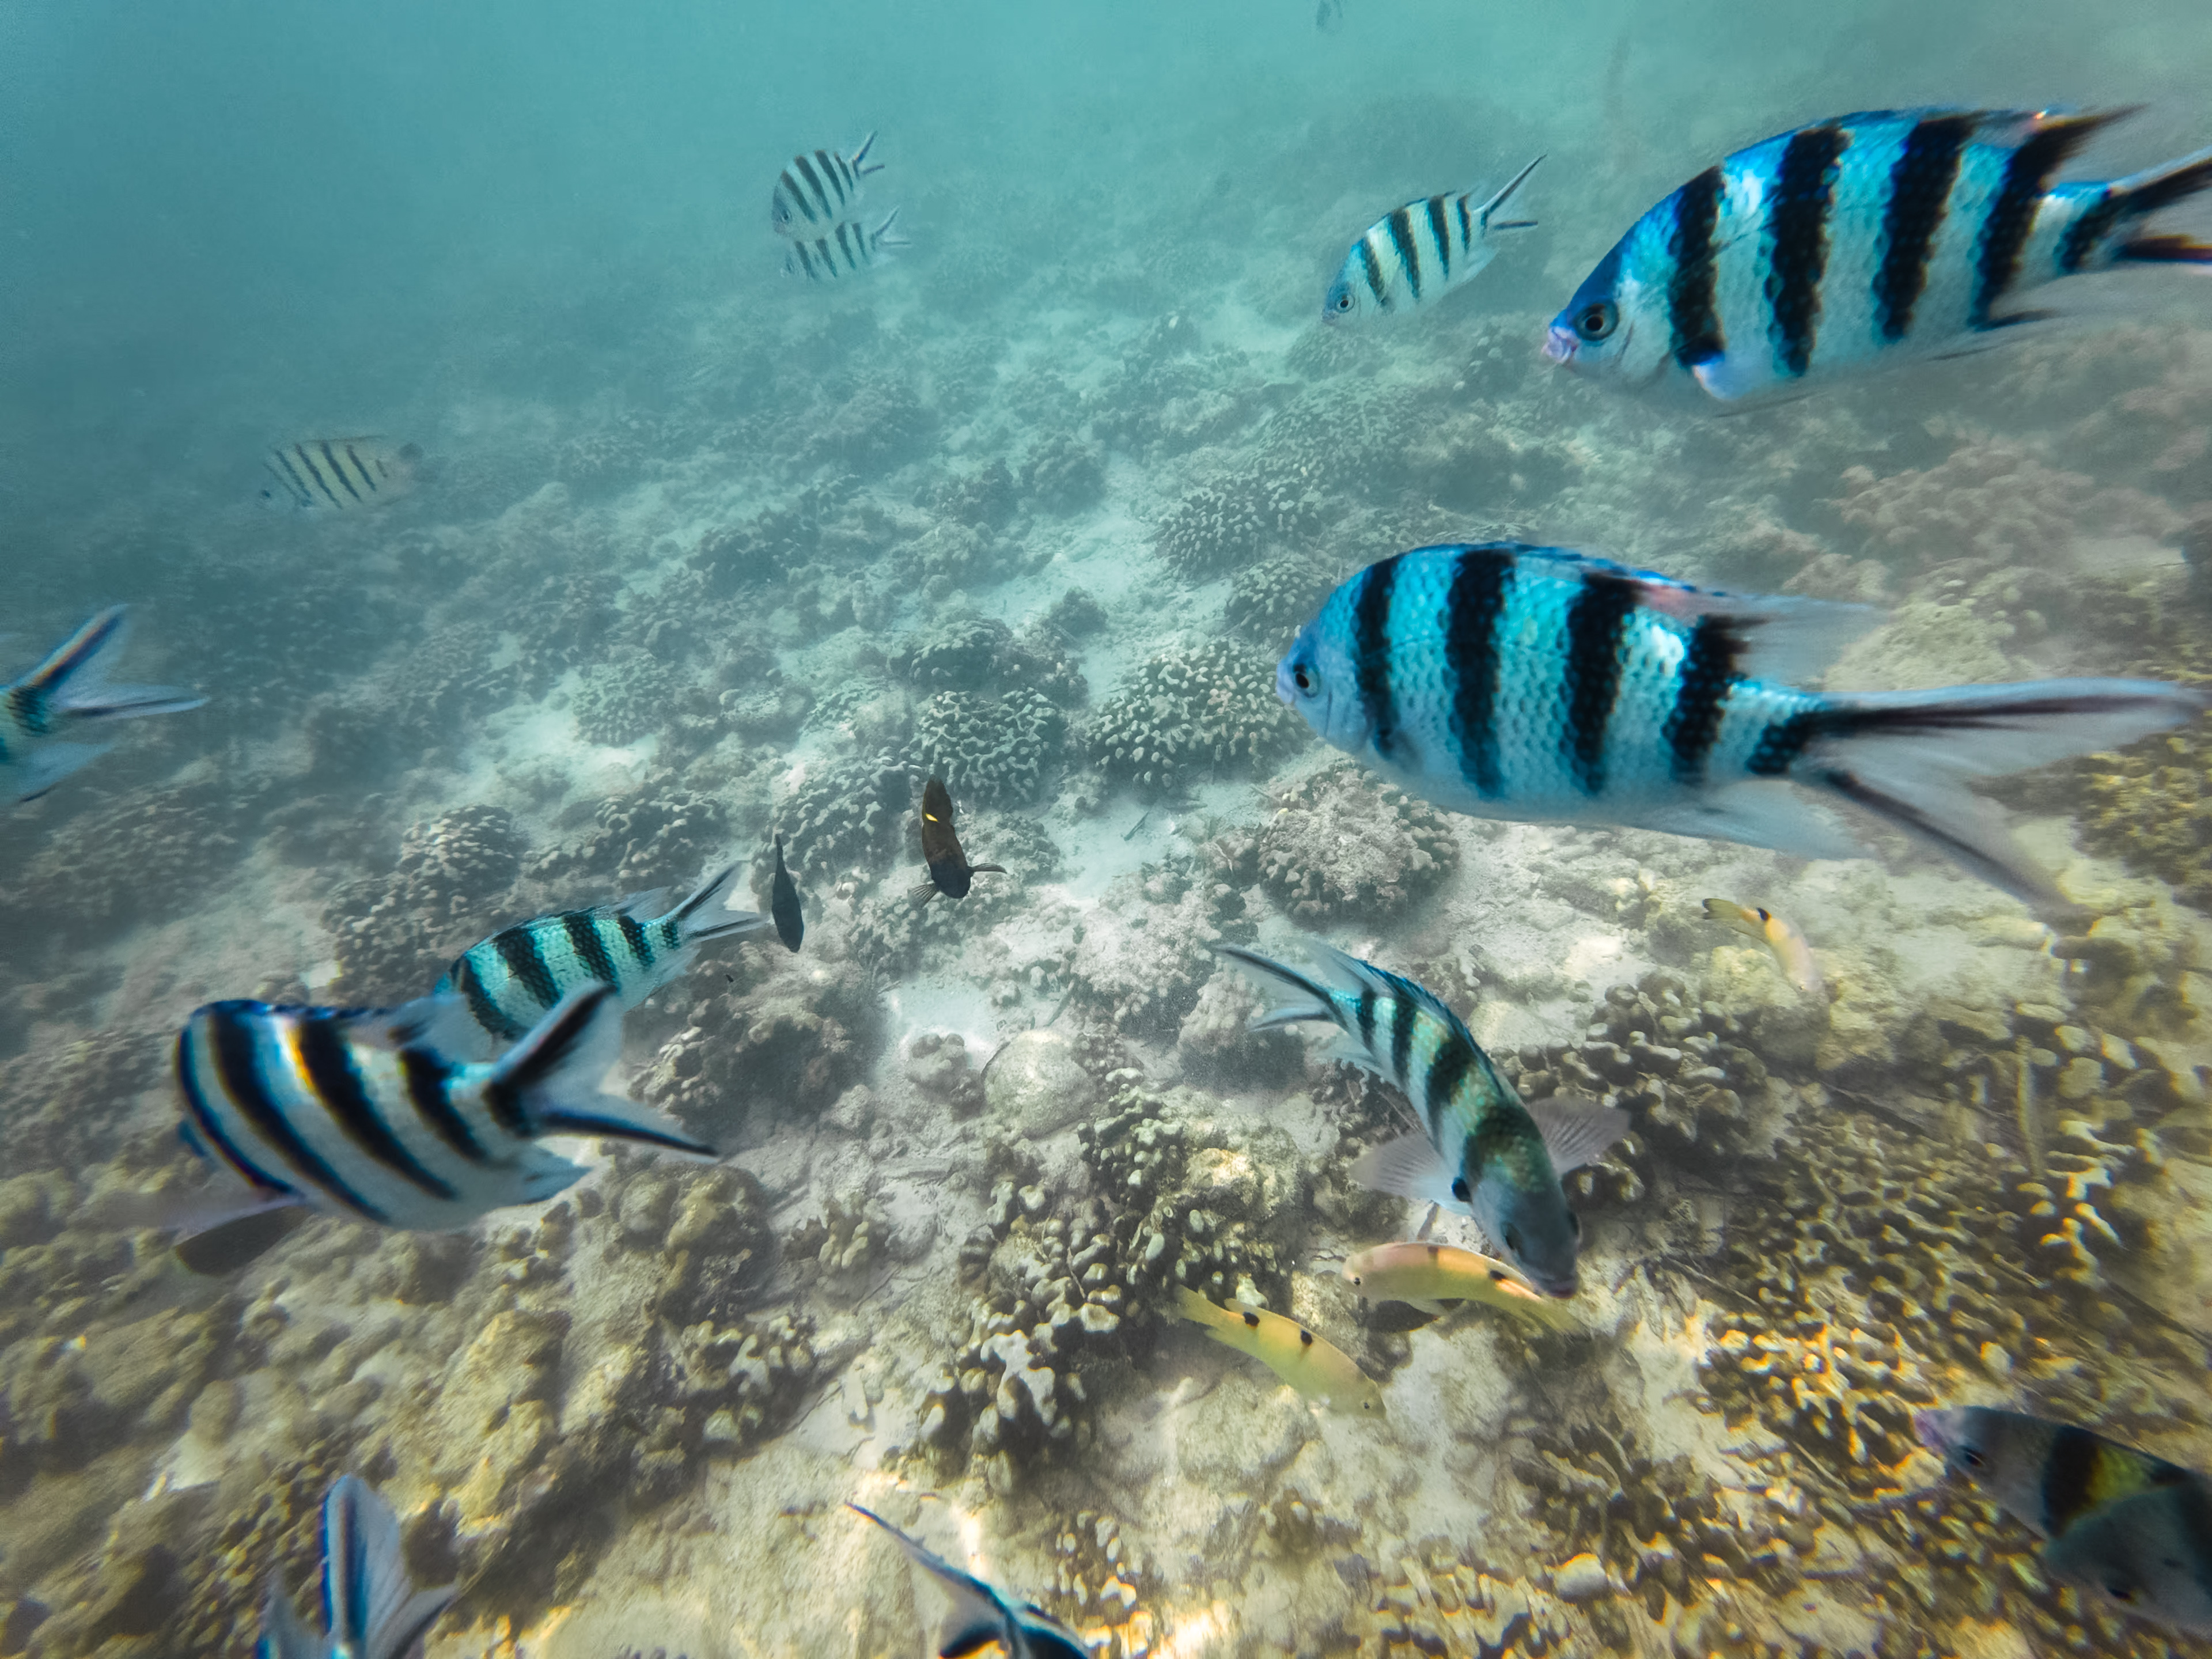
[
  {"x": 1724, "y": 381},
  {"x": 922, "y": 893},
  {"x": 223, "y": 1248},
  {"x": 51, "y": 763},
  {"x": 440, "y": 1023},
  {"x": 1408, "y": 1167},
  {"x": 1577, "y": 1132}
]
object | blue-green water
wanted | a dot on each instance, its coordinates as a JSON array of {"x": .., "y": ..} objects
[{"x": 696, "y": 553}]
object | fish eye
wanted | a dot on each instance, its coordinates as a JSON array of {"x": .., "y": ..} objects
[
  {"x": 1300, "y": 676},
  {"x": 1970, "y": 1458},
  {"x": 1344, "y": 301},
  {"x": 1596, "y": 322},
  {"x": 1574, "y": 1224},
  {"x": 1459, "y": 1190},
  {"x": 1513, "y": 1240},
  {"x": 2121, "y": 1592}
]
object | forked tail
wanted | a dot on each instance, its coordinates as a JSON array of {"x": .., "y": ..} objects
[
  {"x": 1906, "y": 756},
  {"x": 2128, "y": 204},
  {"x": 73, "y": 679},
  {"x": 695, "y": 927},
  {"x": 1312, "y": 1000}
]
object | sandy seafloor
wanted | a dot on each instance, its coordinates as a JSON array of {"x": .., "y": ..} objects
[{"x": 798, "y": 549}]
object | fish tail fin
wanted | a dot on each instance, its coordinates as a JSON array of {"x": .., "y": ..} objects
[
  {"x": 729, "y": 921},
  {"x": 73, "y": 679},
  {"x": 368, "y": 1606},
  {"x": 858, "y": 161},
  {"x": 1906, "y": 756},
  {"x": 979, "y": 1616},
  {"x": 1197, "y": 1309},
  {"x": 49, "y": 763},
  {"x": 1315, "y": 1002},
  {"x": 1499, "y": 200},
  {"x": 551, "y": 1076},
  {"x": 283, "y": 1635},
  {"x": 886, "y": 236},
  {"x": 2132, "y": 200}
]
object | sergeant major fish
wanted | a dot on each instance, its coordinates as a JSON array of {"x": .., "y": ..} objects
[
  {"x": 819, "y": 189},
  {"x": 1414, "y": 253},
  {"x": 1872, "y": 239},
  {"x": 983, "y": 1615},
  {"x": 370, "y": 1609},
  {"x": 845, "y": 251},
  {"x": 1545, "y": 686},
  {"x": 1483, "y": 1153},
  {"x": 339, "y": 475},
  {"x": 1791, "y": 953},
  {"x": 2120, "y": 1523},
  {"x": 69, "y": 691},
  {"x": 367, "y": 1114},
  {"x": 1316, "y": 1368},
  {"x": 509, "y": 981}
]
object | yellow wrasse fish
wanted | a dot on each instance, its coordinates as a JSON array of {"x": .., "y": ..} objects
[
  {"x": 1778, "y": 936},
  {"x": 1429, "y": 1275},
  {"x": 1316, "y": 1368}
]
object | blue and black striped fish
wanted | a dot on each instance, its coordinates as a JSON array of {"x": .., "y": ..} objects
[
  {"x": 1872, "y": 239},
  {"x": 1414, "y": 253},
  {"x": 845, "y": 251},
  {"x": 339, "y": 475},
  {"x": 368, "y": 1113},
  {"x": 371, "y": 1610},
  {"x": 2133, "y": 1531},
  {"x": 819, "y": 189},
  {"x": 1480, "y": 1151},
  {"x": 1543, "y": 685},
  {"x": 509, "y": 981},
  {"x": 65, "y": 692}
]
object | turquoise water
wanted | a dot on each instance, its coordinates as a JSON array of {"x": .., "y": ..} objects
[{"x": 695, "y": 553}]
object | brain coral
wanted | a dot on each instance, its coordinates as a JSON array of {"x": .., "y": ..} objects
[
  {"x": 1197, "y": 706},
  {"x": 990, "y": 750},
  {"x": 1235, "y": 516},
  {"x": 1343, "y": 847}
]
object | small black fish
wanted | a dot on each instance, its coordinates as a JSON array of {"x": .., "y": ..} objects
[
  {"x": 949, "y": 872},
  {"x": 1328, "y": 17},
  {"x": 783, "y": 903}
]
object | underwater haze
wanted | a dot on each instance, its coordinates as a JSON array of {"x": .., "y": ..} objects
[{"x": 752, "y": 903}]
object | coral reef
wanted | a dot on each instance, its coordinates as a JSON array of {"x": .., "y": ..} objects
[
  {"x": 1063, "y": 474},
  {"x": 1340, "y": 847},
  {"x": 1139, "y": 962},
  {"x": 394, "y": 934},
  {"x": 1269, "y": 601},
  {"x": 1197, "y": 708},
  {"x": 1236, "y": 516},
  {"x": 622, "y": 700},
  {"x": 849, "y": 814},
  {"x": 788, "y": 1047},
  {"x": 990, "y": 751}
]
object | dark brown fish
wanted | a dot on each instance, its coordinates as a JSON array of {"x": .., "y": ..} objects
[
  {"x": 783, "y": 903},
  {"x": 949, "y": 872}
]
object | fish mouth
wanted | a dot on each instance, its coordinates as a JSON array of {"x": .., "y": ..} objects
[
  {"x": 1559, "y": 343},
  {"x": 1559, "y": 1288}
]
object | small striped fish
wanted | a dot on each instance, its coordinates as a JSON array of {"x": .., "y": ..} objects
[
  {"x": 373, "y": 1608},
  {"x": 819, "y": 189},
  {"x": 1545, "y": 686},
  {"x": 1414, "y": 253},
  {"x": 509, "y": 981},
  {"x": 365, "y": 1113},
  {"x": 1871, "y": 238},
  {"x": 68, "y": 689},
  {"x": 845, "y": 251},
  {"x": 339, "y": 475},
  {"x": 1482, "y": 1153}
]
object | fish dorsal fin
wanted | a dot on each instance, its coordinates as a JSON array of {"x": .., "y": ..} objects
[
  {"x": 649, "y": 906},
  {"x": 440, "y": 1023},
  {"x": 1577, "y": 1132},
  {"x": 1408, "y": 1167}
]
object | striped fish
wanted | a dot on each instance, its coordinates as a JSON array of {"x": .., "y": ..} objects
[
  {"x": 982, "y": 1615},
  {"x": 1481, "y": 1152},
  {"x": 372, "y": 1608},
  {"x": 69, "y": 689},
  {"x": 2131, "y": 1528},
  {"x": 1543, "y": 685},
  {"x": 367, "y": 1115},
  {"x": 1414, "y": 253},
  {"x": 845, "y": 251},
  {"x": 1872, "y": 239},
  {"x": 509, "y": 981},
  {"x": 818, "y": 189},
  {"x": 339, "y": 475}
]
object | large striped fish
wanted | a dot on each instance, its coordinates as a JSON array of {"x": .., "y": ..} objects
[
  {"x": 369, "y": 1115},
  {"x": 2131, "y": 1528},
  {"x": 1414, "y": 253},
  {"x": 1481, "y": 1152},
  {"x": 67, "y": 691},
  {"x": 509, "y": 982},
  {"x": 339, "y": 475},
  {"x": 372, "y": 1608},
  {"x": 819, "y": 189},
  {"x": 1544, "y": 685},
  {"x": 845, "y": 251},
  {"x": 1871, "y": 238}
]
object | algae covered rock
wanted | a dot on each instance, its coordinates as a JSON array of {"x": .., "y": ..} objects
[{"x": 1035, "y": 1084}]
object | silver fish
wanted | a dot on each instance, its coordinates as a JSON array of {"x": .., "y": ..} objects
[
  {"x": 1417, "y": 252},
  {"x": 1545, "y": 686},
  {"x": 1483, "y": 1153},
  {"x": 819, "y": 189},
  {"x": 372, "y": 1608},
  {"x": 68, "y": 691},
  {"x": 1872, "y": 239}
]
